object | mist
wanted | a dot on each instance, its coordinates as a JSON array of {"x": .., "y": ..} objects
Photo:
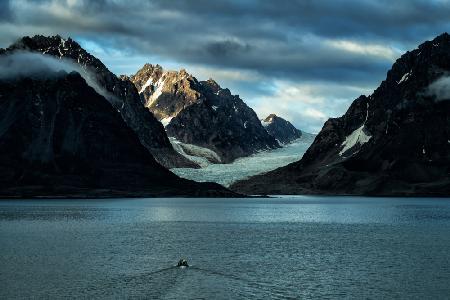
[
  {"x": 30, "y": 64},
  {"x": 440, "y": 88}
]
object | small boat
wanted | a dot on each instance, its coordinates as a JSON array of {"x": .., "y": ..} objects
[{"x": 182, "y": 263}]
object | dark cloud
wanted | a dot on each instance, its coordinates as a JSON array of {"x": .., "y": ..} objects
[
  {"x": 226, "y": 49},
  {"x": 280, "y": 38},
  {"x": 5, "y": 11},
  {"x": 350, "y": 42}
]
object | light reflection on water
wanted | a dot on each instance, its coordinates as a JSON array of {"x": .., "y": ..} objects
[{"x": 239, "y": 248}]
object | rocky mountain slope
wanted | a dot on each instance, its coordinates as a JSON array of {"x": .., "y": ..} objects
[
  {"x": 60, "y": 138},
  {"x": 394, "y": 142},
  {"x": 282, "y": 130},
  {"x": 201, "y": 113},
  {"x": 121, "y": 93}
]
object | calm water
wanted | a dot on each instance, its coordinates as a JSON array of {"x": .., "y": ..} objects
[{"x": 305, "y": 247}]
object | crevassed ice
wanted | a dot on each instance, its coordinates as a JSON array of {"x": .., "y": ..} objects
[
  {"x": 198, "y": 154},
  {"x": 245, "y": 167}
]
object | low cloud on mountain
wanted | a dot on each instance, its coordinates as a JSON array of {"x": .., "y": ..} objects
[
  {"x": 310, "y": 43},
  {"x": 26, "y": 64},
  {"x": 440, "y": 89}
]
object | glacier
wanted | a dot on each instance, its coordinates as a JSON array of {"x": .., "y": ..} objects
[
  {"x": 200, "y": 155},
  {"x": 264, "y": 161}
]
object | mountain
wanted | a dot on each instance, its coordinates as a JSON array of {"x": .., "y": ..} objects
[
  {"x": 123, "y": 94},
  {"x": 201, "y": 113},
  {"x": 282, "y": 130},
  {"x": 394, "y": 142},
  {"x": 60, "y": 138}
]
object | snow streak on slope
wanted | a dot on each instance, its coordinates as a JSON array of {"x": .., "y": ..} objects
[
  {"x": 358, "y": 137},
  {"x": 245, "y": 167},
  {"x": 147, "y": 84}
]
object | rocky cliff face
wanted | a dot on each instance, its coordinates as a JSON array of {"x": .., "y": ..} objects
[
  {"x": 123, "y": 94},
  {"x": 202, "y": 113},
  {"x": 280, "y": 129},
  {"x": 166, "y": 93},
  {"x": 394, "y": 142},
  {"x": 60, "y": 138}
]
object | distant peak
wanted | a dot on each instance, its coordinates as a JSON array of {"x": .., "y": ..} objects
[
  {"x": 40, "y": 42},
  {"x": 270, "y": 118},
  {"x": 439, "y": 41},
  {"x": 148, "y": 66},
  {"x": 147, "y": 72},
  {"x": 444, "y": 35},
  {"x": 212, "y": 85}
]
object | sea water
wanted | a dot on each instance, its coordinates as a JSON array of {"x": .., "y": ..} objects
[{"x": 273, "y": 248}]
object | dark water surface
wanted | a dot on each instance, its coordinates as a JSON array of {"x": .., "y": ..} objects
[{"x": 304, "y": 247}]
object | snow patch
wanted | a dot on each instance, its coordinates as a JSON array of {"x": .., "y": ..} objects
[
  {"x": 158, "y": 90},
  {"x": 166, "y": 121},
  {"x": 404, "y": 77},
  {"x": 357, "y": 137},
  {"x": 147, "y": 84},
  {"x": 265, "y": 124},
  {"x": 215, "y": 107}
]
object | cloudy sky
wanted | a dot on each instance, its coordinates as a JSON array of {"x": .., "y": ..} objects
[{"x": 304, "y": 60}]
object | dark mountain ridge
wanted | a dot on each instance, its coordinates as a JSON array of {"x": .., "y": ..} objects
[
  {"x": 394, "y": 142},
  {"x": 202, "y": 113},
  {"x": 60, "y": 138},
  {"x": 281, "y": 129},
  {"x": 125, "y": 98}
]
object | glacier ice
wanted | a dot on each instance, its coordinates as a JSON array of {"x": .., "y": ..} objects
[{"x": 245, "y": 167}]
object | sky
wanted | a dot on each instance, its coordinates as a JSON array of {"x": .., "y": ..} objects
[{"x": 305, "y": 60}]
